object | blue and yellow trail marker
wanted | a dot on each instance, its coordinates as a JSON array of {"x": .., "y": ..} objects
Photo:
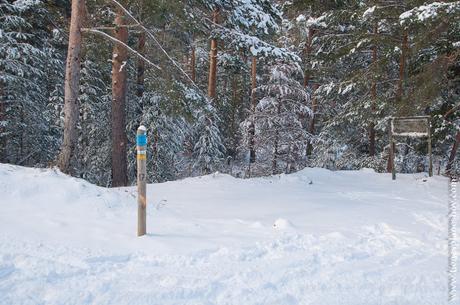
[{"x": 141, "y": 147}]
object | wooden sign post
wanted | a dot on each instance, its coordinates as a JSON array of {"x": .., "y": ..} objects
[
  {"x": 413, "y": 127},
  {"x": 141, "y": 145}
]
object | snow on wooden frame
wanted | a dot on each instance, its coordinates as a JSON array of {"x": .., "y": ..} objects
[{"x": 414, "y": 127}]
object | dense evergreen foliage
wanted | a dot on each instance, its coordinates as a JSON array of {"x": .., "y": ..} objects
[{"x": 329, "y": 76}]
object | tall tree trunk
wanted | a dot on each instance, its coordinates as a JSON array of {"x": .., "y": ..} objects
[
  {"x": 288, "y": 160},
  {"x": 306, "y": 83},
  {"x": 119, "y": 140},
  {"x": 275, "y": 145},
  {"x": 233, "y": 127},
  {"x": 193, "y": 62},
  {"x": 311, "y": 123},
  {"x": 373, "y": 95},
  {"x": 275, "y": 154},
  {"x": 22, "y": 151},
  {"x": 71, "y": 88},
  {"x": 140, "y": 66},
  {"x": 252, "y": 126},
  {"x": 453, "y": 153},
  {"x": 213, "y": 61},
  {"x": 307, "y": 52},
  {"x": 402, "y": 65}
]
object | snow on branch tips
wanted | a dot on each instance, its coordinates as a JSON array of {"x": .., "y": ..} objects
[
  {"x": 429, "y": 12},
  {"x": 312, "y": 22},
  {"x": 256, "y": 46}
]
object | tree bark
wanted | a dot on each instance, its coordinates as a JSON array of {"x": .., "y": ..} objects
[
  {"x": 119, "y": 75},
  {"x": 453, "y": 153},
  {"x": 213, "y": 62},
  {"x": 71, "y": 88},
  {"x": 373, "y": 96},
  {"x": 252, "y": 126}
]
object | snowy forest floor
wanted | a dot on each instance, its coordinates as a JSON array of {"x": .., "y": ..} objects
[{"x": 349, "y": 237}]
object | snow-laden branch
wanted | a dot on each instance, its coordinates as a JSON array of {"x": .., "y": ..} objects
[
  {"x": 428, "y": 12},
  {"x": 255, "y": 45}
]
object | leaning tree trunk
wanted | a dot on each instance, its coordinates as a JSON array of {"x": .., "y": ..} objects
[
  {"x": 252, "y": 126},
  {"x": 71, "y": 88},
  {"x": 213, "y": 62},
  {"x": 373, "y": 96},
  {"x": 119, "y": 140},
  {"x": 453, "y": 153}
]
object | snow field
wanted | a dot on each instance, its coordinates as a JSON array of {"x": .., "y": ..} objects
[{"x": 348, "y": 238}]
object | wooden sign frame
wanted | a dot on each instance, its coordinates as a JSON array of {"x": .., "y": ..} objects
[{"x": 412, "y": 127}]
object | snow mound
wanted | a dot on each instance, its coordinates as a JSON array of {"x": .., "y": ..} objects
[{"x": 283, "y": 224}]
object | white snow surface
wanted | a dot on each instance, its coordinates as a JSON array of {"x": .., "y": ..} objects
[{"x": 313, "y": 237}]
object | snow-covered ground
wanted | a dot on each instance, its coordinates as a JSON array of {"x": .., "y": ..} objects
[{"x": 314, "y": 237}]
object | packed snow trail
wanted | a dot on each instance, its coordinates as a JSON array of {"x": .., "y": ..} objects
[{"x": 314, "y": 237}]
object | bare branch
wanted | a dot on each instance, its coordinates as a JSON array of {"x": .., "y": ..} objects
[
  {"x": 149, "y": 33},
  {"x": 122, "y": 43},
  {"x": 111, "y": 28},
  {"x": 452, "y": 110}
]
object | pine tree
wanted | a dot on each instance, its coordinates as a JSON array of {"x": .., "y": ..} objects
[
  {"x": 29, "y": 66},
  {"x": 94, "y": 143},
  {"x": 208, "y": 150},
  {"x": 278, "y": 117}
]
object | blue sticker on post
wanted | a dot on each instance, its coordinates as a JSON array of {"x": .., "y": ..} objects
[{"x": 141, "y": 140}]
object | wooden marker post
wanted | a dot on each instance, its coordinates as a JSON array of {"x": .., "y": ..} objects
[{"x": 141, "y": 145}]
